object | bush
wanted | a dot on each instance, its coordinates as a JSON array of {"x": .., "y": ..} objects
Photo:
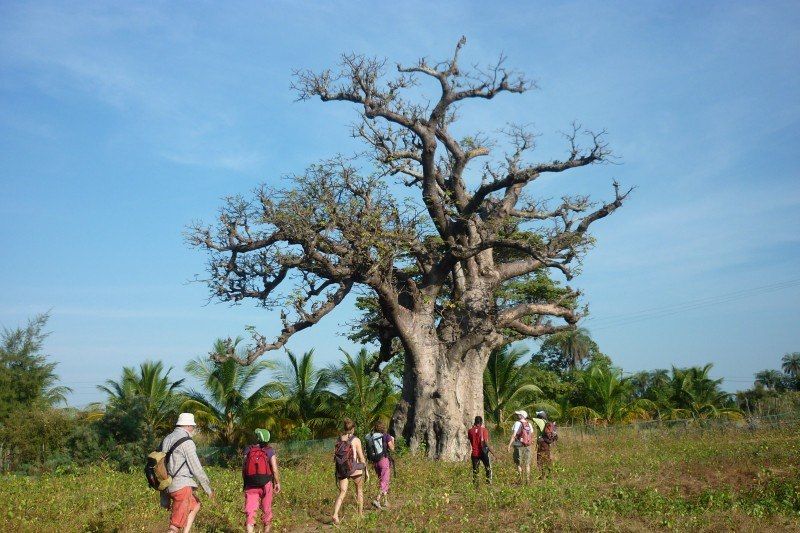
[{"x": 31, "y": 439}]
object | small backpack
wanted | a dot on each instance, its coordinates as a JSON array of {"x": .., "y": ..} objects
[
  {"x": 374, "y": 447},
  {"x": 525, "y": 433},
  {"x": 257, "y": 470},
  {"x": 343, "y": 457},
  {"x": 549, "y": 435},
  {"x": 155, "y": 468}
]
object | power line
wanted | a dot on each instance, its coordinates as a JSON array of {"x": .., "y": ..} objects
[
  {"x": 672, "y": 309},
  {"x": 710, "y": 300},
  {"x": 778, "y": 285}
]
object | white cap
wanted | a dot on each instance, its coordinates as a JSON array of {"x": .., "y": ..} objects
[
  {"x": 522, "y": 413},
  {"x": 185, "y": 419}
]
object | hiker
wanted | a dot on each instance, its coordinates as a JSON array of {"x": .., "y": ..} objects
[
  {"x": 521, "y": 439},
  {"x": 348, "y": 457},
  {"x": 261, "y": 481},
  {"x": 548, "y": 436},
  {"x": 478, "y": 437},
  {"x": 379, "y": 444},
  {"x": 184, "y": 467}
]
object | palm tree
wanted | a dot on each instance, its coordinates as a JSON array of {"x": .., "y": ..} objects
[
  {"x": 791, "y": 364},
  {"x": 696, "y": 395},
  {"x": 506, "y": 383},
  {"x": 225, "y": 408},
  {"x": 608, "y": 398},
  {"x": 575, "y": 344},
  {"x": 150, "y": 389},
  {"x": 366, "y": 396},
  {"x": 771, "y": 379},
  {"x": 308, "y": 405}
]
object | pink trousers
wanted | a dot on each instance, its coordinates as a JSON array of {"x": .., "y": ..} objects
[
  {"x": 255, "y": 498},
  {"x": 383, "y": 469}
]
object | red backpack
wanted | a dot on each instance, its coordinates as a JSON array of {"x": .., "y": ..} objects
[
  {"x": 257, "y": 470},
  {"x": 525, "y": 433},
  {"x": 343, "y": 458}
]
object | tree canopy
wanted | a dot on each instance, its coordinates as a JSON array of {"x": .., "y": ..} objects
[
  {"x": 454, "y": 268},
  {"x": 27, "y": 377}
]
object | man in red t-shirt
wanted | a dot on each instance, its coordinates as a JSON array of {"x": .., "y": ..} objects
[{"x": 478, "y": 437}]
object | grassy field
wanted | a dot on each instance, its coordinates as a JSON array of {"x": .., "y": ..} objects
[{"x": 695, "y": 480}]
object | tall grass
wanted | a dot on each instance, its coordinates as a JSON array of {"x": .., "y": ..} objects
[{"x": 682, "y": 479}]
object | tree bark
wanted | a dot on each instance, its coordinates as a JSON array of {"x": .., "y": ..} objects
[{"x": 441, "y": 396}]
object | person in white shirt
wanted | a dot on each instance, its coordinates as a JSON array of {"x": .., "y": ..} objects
[
  {"x": 521, "y": 441},
  {"x": 186, "y": 471}
]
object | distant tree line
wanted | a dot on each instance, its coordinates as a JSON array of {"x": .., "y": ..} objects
[{"x": 568, "y": 376}]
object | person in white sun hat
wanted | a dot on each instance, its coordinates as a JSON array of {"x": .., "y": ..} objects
[
  {"x": 521, "y": 440},
  {"x": 184, "y": 467}
]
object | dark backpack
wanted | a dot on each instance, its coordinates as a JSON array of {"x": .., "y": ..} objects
[
  {"x": 343, "y": 457},
  {"x": 549, "y": 435},
  {"x": 257, "y": 470},
  {"x": 375, "y": 448},
  {"x": 155, "y": 468},
  {"x": 484, "y": 445}
]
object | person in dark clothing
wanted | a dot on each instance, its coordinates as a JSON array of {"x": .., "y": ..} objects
[
  {"x": 478, "y": 437},
  {"x": 548, "y": 436}
]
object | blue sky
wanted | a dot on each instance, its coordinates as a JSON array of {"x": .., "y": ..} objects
[{"x": 122, "y": 123}]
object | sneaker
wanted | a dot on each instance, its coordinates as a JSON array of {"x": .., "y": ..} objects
[{"x": 376, "y": 504}]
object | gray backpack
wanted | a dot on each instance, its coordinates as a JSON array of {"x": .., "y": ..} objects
[{"x": 374, "y": 447}]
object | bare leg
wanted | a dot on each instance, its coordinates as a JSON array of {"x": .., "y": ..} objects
[
  {"x": 190, "y": 519},
  {"x": 359, "y": 481},
  {"x": 527, "y": 472},
  {"x": 339, "y": 499},
  {"x": 251, "y": 528}
]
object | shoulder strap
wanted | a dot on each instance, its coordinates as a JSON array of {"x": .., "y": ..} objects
[
  {"x": 172, "y": 449},
  {"x": 174, "y": 446}
]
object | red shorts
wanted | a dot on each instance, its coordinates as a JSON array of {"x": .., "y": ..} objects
[{"x": 182, "y": 502}]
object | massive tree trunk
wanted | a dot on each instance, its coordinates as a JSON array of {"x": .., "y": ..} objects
[
  {"x": 438, "y": 404},
  {"x": 442, "y": 394}
]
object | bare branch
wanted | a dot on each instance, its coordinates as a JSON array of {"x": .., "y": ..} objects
[
  {"x": 537, "y": 330},
  {"x": 598, "y": 153},
  {"x": 605, "y": 210},
  {"x": 515, "y": 313},
  {"x": 307, "y": 320}
]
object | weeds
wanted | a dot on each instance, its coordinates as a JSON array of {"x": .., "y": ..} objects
[{"x": 725, "y": 480}]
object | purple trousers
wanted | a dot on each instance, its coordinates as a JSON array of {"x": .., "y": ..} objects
[{"x": 383, "y": 469}]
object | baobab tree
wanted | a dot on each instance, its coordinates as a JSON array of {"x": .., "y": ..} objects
[{"x": 454, "y": 271}]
